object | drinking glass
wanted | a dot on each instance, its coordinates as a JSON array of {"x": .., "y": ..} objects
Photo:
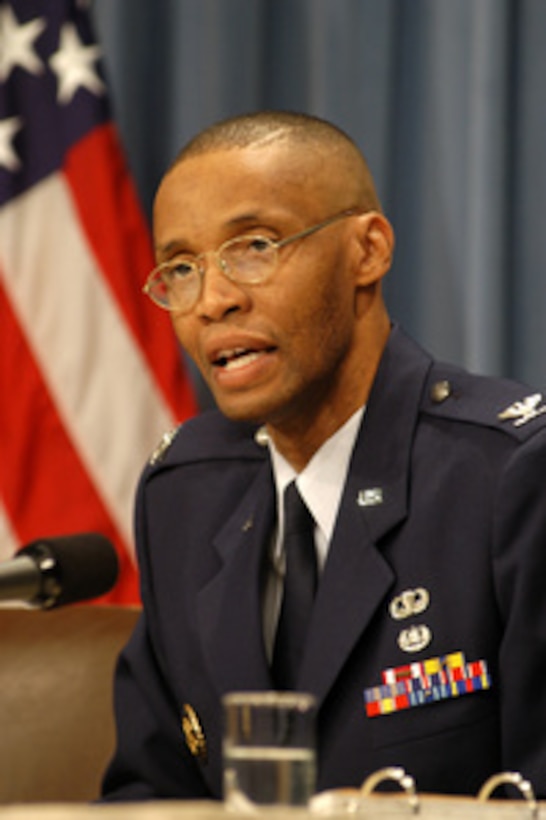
[{"x": 269, "y": 748}]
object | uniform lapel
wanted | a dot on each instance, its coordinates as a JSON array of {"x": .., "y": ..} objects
[
  {"x": 229, "y": 606},
  {"x": 357, "y": 577},
  {"x": 355, "y": 581}
]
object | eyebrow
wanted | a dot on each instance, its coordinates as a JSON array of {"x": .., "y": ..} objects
[{"x": 245, "y": 219}]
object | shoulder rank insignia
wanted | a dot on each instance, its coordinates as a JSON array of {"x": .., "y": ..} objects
[
  {"x": 166, "y": 441},
  {"x": 523, "y": 411}
]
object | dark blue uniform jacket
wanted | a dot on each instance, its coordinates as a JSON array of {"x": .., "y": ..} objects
[{"x": 443, "y": 496}]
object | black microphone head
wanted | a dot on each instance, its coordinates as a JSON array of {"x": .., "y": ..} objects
[{"x": 73, "y": 568}]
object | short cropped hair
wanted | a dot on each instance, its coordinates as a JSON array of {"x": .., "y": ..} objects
[{"x": 309, "y": 132}]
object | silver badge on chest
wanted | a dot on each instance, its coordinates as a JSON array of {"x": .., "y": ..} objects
[{"x": 414, "y": 638}]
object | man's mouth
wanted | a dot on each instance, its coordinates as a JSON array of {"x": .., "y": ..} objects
[{"x": 237, "y": 358}]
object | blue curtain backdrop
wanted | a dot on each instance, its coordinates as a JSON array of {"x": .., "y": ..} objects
[{"x": 447, "y": 99}]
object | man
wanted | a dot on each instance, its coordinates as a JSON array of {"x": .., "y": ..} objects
[{"x": 425, "y": 483}]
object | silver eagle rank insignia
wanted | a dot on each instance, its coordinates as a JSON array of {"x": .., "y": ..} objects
[
  {"x": 164, "y": 444},
  {"x": 520, "y": 412}
]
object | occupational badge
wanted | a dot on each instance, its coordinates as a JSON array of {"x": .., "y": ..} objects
[
  {"x": 415, "y": 638},
  {"x": 409, "y": 602}
]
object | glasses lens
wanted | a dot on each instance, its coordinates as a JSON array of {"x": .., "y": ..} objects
[
  {"x": 175, "y": 285},
  {"x": 249, "y": 258}
]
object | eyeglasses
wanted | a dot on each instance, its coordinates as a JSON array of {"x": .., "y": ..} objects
[{"x": 247, "y": 260}]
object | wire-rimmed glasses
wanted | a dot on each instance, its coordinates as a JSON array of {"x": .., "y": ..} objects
[{"x": 175, "y": 285}]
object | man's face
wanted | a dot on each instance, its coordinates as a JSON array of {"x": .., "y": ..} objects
[{"x": 280, "y": 351}]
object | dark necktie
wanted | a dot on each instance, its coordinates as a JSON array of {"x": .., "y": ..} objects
[{"x": 299, "y": 589}]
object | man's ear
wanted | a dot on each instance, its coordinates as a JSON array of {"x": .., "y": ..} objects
[{"x": 376, "y": 246}]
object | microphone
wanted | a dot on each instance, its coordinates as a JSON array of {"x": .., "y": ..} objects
[{"x": 51, "y": 572}]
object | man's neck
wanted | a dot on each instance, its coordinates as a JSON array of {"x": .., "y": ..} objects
[{"x": 299, "y": 436}]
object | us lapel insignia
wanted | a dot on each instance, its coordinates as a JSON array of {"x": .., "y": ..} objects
[
  {"x": 429, "y": 681},
  {"x": 193, "y": 733},
  {"x": 166, "y": 441},
  {"x": 409, "y": 602},
  {"x": 520, "y": 412},
  {"x": 371, "y": 497}
]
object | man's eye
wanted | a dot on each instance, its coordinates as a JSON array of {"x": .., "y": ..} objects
[
  {"x": 179, "y": 269},
  {"x": 258, "y": 244}
]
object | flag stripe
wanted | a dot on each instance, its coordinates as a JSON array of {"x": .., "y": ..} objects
[
  {"x": 8, "y": 541},
  {"x": 107, "y": 204},
  {"x": 62, "y": 302},
  {"x": 40, "y": 472}
]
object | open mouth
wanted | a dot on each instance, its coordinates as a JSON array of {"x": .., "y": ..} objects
[{"x": 238, "y": 357}]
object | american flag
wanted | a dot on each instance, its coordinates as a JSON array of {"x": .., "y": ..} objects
[{"x": 90, "y": 374}]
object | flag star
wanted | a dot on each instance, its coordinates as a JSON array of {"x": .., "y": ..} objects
[
  {"x": 8, "y": 129},
  {"x": 72, "y": 64},
  {"x": 17, "y": 43}
]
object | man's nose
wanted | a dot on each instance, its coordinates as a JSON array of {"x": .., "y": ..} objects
[{"x": 219, "y": 294}]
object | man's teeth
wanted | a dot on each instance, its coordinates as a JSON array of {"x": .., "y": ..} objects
[
  {"x": 240, "y": 361},
  {"x": 237, "y": 358}
]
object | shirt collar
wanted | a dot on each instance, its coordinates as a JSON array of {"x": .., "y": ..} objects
[{"x": 322, "y": 480}]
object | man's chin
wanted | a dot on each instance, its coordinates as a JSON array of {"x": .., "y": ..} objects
[{"x": 244, "y": 411}]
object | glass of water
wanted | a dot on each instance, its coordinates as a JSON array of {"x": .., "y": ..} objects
[{"x": 269, "y": 748}]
